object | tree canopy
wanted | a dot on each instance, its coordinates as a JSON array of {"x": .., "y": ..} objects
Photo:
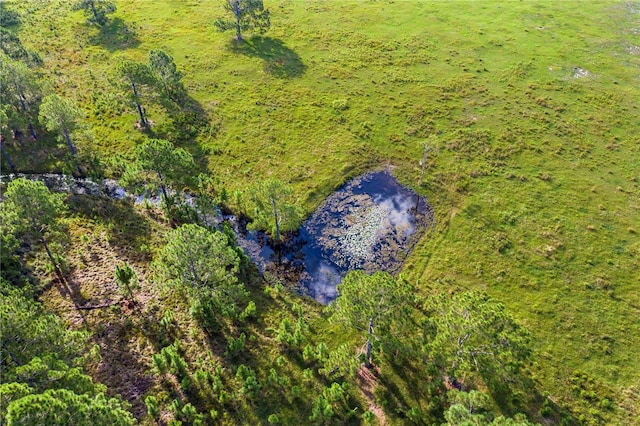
[
  {"x": 159, "y": 164},
  {"x": 203, "y": 263},
  {"x": 66, "y": 408},
  {"x": 96, "y": 11},
  {"x": 248, "y": 15},
  {"x": 136, "y": 76},
  {"x": 470, "y": 332},
  {"x": 274, "y": 210},
  {"x": 198, "y": 259},
  {"x": 167, "y": 74},
  {"x": 41, "y": 381},
  {"x": 22, "y": 92},
  {"x": 30, "y": 211},
  {"x": 61, "y": 115},
  {"x": 376, "y": 305}
]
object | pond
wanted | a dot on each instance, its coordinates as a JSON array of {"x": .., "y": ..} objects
[{"x": 371, "y": 223}]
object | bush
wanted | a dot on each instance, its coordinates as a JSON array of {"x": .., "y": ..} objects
[
  {"x": 273, "y": 419},
  {"x": 340, "y": 104}
]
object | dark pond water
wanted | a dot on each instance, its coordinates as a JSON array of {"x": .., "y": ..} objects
[{"x": 371, "y": 223}]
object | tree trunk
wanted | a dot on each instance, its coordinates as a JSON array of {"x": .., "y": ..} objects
[
  {"x": 424, "y": 162},
  {"x": 23, "y": 104},
  {"x": 6, "y": 157},
  {"x": 367, "y": 362},
  {"x": 72, "y": 148},
  {"x": 143, "y": 121},
  {"x": 95, "y": 12},
  {"x": 236, "y": 11},
  {"x": 33, "y": 131},
  {"x": 277, "y": 220},
  {"x": 163, "y": 188},
  {"x": 52, "y": 259}
]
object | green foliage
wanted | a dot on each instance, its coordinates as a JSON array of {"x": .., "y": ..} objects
[
  {"x": 472, "y": 409},
  {"x": 248, "y": 15},
  {"x": 159, "y": 164},
  {"x": 274, "y": 210},
  {"x": 249, "y": 312},
  {"x": 249, "y": 385},
  {"x": 408, "y": 72},
  {"x": 470, "y": 332},
  {"x": 152, "y": 407},
  {"x": 127, "y": 280},
  {"x": 41, "y": 383},
  {"x": 136, "y": 76},
  {"x": 63, "y": 407},
  {"x": 236, "y": 346},
  {"x": 8, "y": 17},
  {"x": 171, "y": 360},
  {"x": 199, "y": 260},
  {"x": 337, "y": 363},
  {"x": 21, "y": 90},
  {"x": 96, "y": 11},
  {"x": 273, "y": 419},
  {"x": 10, "y": 44},
  {"x": 203, "y": 264},
  {"x": 28, "y": 332},
  {"x": 376, "y": 305},
  {"x": 167, "y": 75},
  {"x": 168, "y": 322},
  {"x": 31, "y": 212},
  {"x": 290, "y": 336},
  {"x": 61, "y": 115},
  {"x": 330, "y": 403}
]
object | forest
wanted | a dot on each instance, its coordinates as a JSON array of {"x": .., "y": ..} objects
[{"x": 364, "y": 212}]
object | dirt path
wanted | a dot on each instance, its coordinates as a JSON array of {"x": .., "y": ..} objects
[{"x": 367, "y": 380}]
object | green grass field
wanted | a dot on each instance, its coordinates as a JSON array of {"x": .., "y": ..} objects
[{"x": 534, "y": 119}]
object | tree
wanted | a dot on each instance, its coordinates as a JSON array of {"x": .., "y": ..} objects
[
  {"x": 159, "y": 164},
  {"x": 167, "y": 74},
  {"x": 472, "y": 409},
  {"x": 376, "y": 305},
  {"x": 428, "y": 145},
  {"x": 21, "y": 86},
  {"x": 203, "y": 263},
  {"x": 248, "y": 15},
  {"x": 136, "y": 75},
  {"x": 96, "y": 11},
  {"x": 470, "y": 332},
  {"x": 8, "y": 17},
  {"x": 127, "y": 280},
  {"x": 64, "y": 407},
  {"x": 28, "y": 331},
  {"x": 31, "y": 211},
  {"x": 11, "y": 44},
  {"x": 62, "y": 115},
  {"x": 41, "y": 383},
  {"x": 274, "y": 210}
]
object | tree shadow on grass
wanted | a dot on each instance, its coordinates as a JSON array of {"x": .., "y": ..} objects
[
  {"x": 128, "y": 230},
  {"x": 121, "y": 368},
  {"x": 279, "y": 60},
  {"x": 115, "y": 35}
]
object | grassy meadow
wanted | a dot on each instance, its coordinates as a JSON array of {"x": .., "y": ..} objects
[{"x": 530, "y": 109}]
